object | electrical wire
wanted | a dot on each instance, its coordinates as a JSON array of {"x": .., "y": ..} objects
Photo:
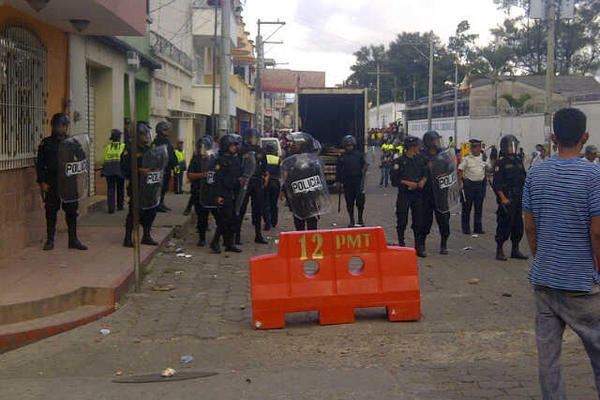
[{"x": 163, "y": 6}]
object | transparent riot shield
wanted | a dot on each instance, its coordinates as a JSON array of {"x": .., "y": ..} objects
[
  {"x": 73, "y": 168},
  {"x": 155, "y": 160},
  {"x": 445, "y": 181},
  {"x": 208, "y": 188},
  {"x": 305, "y": 185},
  {"x": 248, "y": 168}
]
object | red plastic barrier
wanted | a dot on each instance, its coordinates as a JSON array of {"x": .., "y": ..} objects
[{"x": 334, "y": 272}]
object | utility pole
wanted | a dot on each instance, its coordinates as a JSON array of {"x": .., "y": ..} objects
[
  {"x": 260, "y": 53},
  {"x": 430, "y": 95},
  {"x": 378, "y": 73},
  {"x": 550, "y": 73},
  {"x": 213, "y": 122},
  {"x": 455, "y": 102},
  {"x": 395, "y": 97},
  {"x": 225, "y": 67}
]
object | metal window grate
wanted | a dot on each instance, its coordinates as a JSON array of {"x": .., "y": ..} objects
[{"x": 23, "y": 96}]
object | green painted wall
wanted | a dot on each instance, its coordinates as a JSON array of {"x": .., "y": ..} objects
[{"x": 142, "y": 99}]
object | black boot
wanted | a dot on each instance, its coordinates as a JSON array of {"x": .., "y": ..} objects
[
  {"x": 500, "y": 252},
  {"x": 201, "y": 240},
  {"x": 360, "y": 218},
  {"x": 50, "y": 229},
  {"x": 229, "y": 247},
  {"x": 258, "y": 238},
  {"x": 74, "y": 242},
  {"x": 147, "y": 238},
  {"x": 420, "y": 247},
  {"x": 351, "y": 224},
  {"x": 515, "y": 253},
  {"x": 444, "y": 246},
  {"x": 401, "y": 241},
  {"x": 238, "y": 239}
]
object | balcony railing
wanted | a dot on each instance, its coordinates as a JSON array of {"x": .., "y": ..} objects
[{"x": 165, "y": 48}]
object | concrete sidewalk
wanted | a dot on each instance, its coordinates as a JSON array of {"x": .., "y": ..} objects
[{"x": 44, "y": 293}]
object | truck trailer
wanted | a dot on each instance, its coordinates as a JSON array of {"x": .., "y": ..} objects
[{"x": 329, "y": 114}]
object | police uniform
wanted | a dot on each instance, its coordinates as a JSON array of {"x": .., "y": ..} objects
[
  {"x": 162, "y": 140},
  {"x": 201, "y": 165},
  {"x": 474, "y": 184},
  {"x": 178, "y": 171},
  {"x": 111, "y": 170},
  {"x": 271, "y": 210},
  {"x": 228, "y": 170},
  {"x": 256, "y": 190},
  {"x": 509, "y": 178},
  {"x": 147, "y": 216},
  {"x": 409, "y": 169},
  {"x": 350, "y": 172},
  {"x": 47, "y": 172},
  {"x": 311, "y": 223}
]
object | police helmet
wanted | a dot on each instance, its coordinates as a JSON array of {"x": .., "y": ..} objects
[
  {"x": 271, "y": 148},
  {"x": 411, "y": 141},
  {"x": 204, "y": 144},
  {"x": 251, "y": 136},
  {"x": 238, "y": 139},
  {"x": 115, "y": 134},
  {"x": 226, "y": 141},
  {"x": 305, "y": 142},
  {"x": 163, "y": 126},
  {"x": 60, "y": 119},
  {"x": 509, "y": 144},
  {"x": 317, "y": 146},
  {"x": 432, "y": 140},
  {"x": 349, "y": 140},
  {"x": 209, "y": 139},
  {"x": 143, "y": 128}
]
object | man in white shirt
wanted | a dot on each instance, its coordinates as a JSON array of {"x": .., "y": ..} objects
[
  {"x": 538, "y": 156},
  {"x": 472, "y": 179}
]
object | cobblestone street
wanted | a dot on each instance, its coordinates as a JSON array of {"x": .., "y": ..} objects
[{"x": 475, "y": 339}]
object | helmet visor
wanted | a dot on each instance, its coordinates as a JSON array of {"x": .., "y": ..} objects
[{"x": 511, "y": 147}]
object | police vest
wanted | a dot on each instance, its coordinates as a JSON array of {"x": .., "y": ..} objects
[
  {"x": 400, "y": 149},
  {"x": 180, "y": 161},
  {"x": 112, "y": 151},
  {"x": 272, "y": 160}
]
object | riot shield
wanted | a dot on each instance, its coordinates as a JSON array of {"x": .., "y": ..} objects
[
  {"x": 248, "y": 168},
  {"x": 208, "y": 187},
  {"x": 155, "y": 160},
  {"x": 305, "y": 185},
  {"x": 445, "y": 181},
  {"x": 73, "y": 168}
]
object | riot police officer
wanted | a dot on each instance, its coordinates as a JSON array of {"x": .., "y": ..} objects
[
  {"x": 147, "y": 215},
  {"x": 256, "y": 185},
  {"x": 47, "y": 168},
  {"x": 409, "y": 175},
  {"x": 350, "y": 171},
  {"x": 271, "y": 211},
  {"x": 228, "y": 171},
  {"x": 509, "y": 178},
  {"x": 201, "y": 174},
  {"x": 111, "y": 170},
  {"x": 433, "y": 194},
  {"x": 163, "y": 128},
  {"x": 304, "y": 183}
]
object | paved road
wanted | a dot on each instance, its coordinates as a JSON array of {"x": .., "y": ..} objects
[{"x": 475, "y": 341}]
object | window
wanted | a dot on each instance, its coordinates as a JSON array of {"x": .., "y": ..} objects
[{"x": 23, "y": 96}]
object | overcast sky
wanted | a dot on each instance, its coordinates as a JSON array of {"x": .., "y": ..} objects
[{"x": 323, "y": 34}]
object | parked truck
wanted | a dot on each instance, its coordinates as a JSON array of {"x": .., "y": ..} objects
[{"x": 329, "y": 114}]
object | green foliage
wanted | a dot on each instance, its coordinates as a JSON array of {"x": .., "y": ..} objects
[{"x": 517, "y": 104}]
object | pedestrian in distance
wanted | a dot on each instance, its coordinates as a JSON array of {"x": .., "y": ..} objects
[
  {"x": 111, "y": 170},
  {"x": 163, "y": 129},
  {"x": 561, "y": 203},
  {"x": 384, "y": 166},
  {"x": 180, "y": 168},
  {"x": 201, "y": 174},
  {"x": 350, "y": 174},
  {"x": 409, "y": 176},
  {"x": 148, "y": 208},
  {"x": 271, "y": 211},
  {"x": 47, "y": 168},
  {"x": 472, "y": 172},
  {"x": 228, "y": 173},
  {"x": 252, "y": 153},
  {"x": 591, "y": 154},
  {"x": 509, "y": 178}
]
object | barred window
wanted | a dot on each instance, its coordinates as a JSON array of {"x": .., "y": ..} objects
[{"x": 23, "y": 96}]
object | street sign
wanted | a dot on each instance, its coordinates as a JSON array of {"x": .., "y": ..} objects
[{"x": 538, "y": 9}]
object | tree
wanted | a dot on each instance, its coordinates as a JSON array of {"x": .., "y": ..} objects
[
  {"x": 517, "y": 104},
  {"x": 497, "y": 62},
  {"x": 367, "y": 58}
]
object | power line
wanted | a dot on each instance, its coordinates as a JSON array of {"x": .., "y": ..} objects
[{"x": 163, "y": 6}]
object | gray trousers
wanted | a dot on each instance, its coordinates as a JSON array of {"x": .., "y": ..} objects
[{"x": 554, "y": 310}]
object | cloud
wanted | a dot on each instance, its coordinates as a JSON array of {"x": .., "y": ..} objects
[{"x": 323, "y": 34}]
